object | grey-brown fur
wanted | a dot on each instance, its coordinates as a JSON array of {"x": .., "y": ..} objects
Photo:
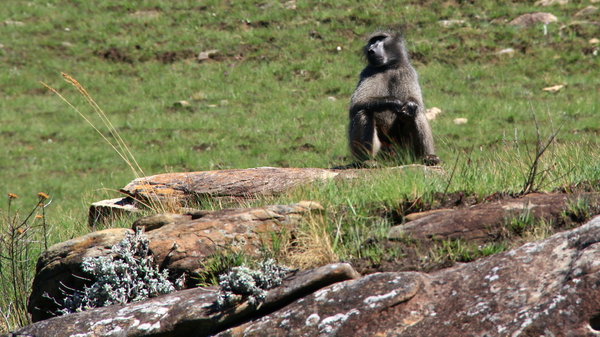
[{"x": 386, "y": 109}]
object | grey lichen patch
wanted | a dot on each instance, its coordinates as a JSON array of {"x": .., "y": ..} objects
[
  {"x": 149, "y": 327},
  {"x": 379, "y": 300},
  {"x": 330, "y": 325},
  {"x": 155, "y": 308},
  {"x": 313, "y": 319}
]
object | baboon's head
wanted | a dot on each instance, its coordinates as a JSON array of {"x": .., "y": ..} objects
[{"x": 384, "y": 49}]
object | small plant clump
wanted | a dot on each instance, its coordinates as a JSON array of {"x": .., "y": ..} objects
[
  {"x": 127, "y": 275},
  {"x": 22, "y": 237},
  {"x": 245, "y": 283},
  {"x": 217, "y": 264},
  {"x": 460, "y": 251},
  {"x": 522, "y": 223},
  {"x": 579, "y": 210}
]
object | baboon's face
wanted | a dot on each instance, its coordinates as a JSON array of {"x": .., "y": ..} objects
[{"x": 376, "y": 52}]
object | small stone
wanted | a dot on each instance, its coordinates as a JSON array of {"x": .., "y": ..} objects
[
  {"x": 450, "y": 23},
  {"x": 554, "y": 88},
  {"x": 529, "y": 19},
  {"x": 152, "y": 14},
  {"x": 14, "y": 23},
  {"x": 594, "y": 41},
  {"x": 545, "y": 3},
  {"x": 182, "y": 104},
  {"x": 586, "y": 11},
  {"x": 507, "y": 51},
  {"x": 205, "y": 55},
  {"x": 107, "y": 210},
  {"x": 459, "y": 121},
  {"x": 66, "y": 44},
  {"x": 310, "y": 205},
  {"x": 432, "y": 113},
  {"x": 263, "y": 214},
  {"x": 331, "y": 98},
  {"x": 290, "y": 4}
]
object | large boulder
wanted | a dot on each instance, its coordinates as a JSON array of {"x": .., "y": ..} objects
[
  {"x": 174, "y": 190},
  {"x": 545, "y": 288},
  {"x": 480, "y": 222},
  {"x": 59, "y": 269},
  {"x": 235, "y": 183},
  {"x": 178, "y": 242},
  {"x": 549, "y": 288},
  {"x": 185, "y": 312}
]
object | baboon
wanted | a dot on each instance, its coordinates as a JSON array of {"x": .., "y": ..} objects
[{"x": 386, "y": 109}]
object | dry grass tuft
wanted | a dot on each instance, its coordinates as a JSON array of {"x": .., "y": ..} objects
[
  {"x": 312, "y": 246},
  {"x": 118, "y": 144}
]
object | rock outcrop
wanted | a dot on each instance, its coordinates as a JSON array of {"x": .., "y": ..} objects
[
  {"x": 178, "y": 242},
  {"x": 186, "y": 312},
  {"x": 481, "y": 221},
  {"x": 59, "y": 268},
  {"x": 545, "y": 288},
  {"x": 232, "y": 183},
  {"x": 178, "y": 189}
]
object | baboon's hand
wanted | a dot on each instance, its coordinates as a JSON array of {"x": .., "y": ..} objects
[
  {"x": 410, "y": 109},
  {"x": 397, "y": 106}
]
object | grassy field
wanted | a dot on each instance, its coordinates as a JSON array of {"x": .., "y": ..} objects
[{"x": 276, "y": 94}]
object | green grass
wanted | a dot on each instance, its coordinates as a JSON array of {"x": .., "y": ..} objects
[
  {"x": 276, "y": 69},
  {"x": 459, "y": 251},
  {"x": 264, "y": 99}
]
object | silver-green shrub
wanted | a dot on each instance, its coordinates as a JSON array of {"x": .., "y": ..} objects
[
  {"x": 127, "y": 275},
  {"x": 245, "y": 283}
]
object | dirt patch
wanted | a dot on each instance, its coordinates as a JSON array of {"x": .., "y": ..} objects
[
  {"x": 114, "y": 54},
  {"x": 203, "y": 147},
  {"x": 359, "y": 21},
  {"x": 173, "y": 56},
  {"x": 304, "y": 147},
  {"x": 417, "y": 56}
]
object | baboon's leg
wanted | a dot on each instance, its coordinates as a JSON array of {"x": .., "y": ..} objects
[
  {"x": 416, "y": 136},
  {"x": 364, "y": 143}
]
